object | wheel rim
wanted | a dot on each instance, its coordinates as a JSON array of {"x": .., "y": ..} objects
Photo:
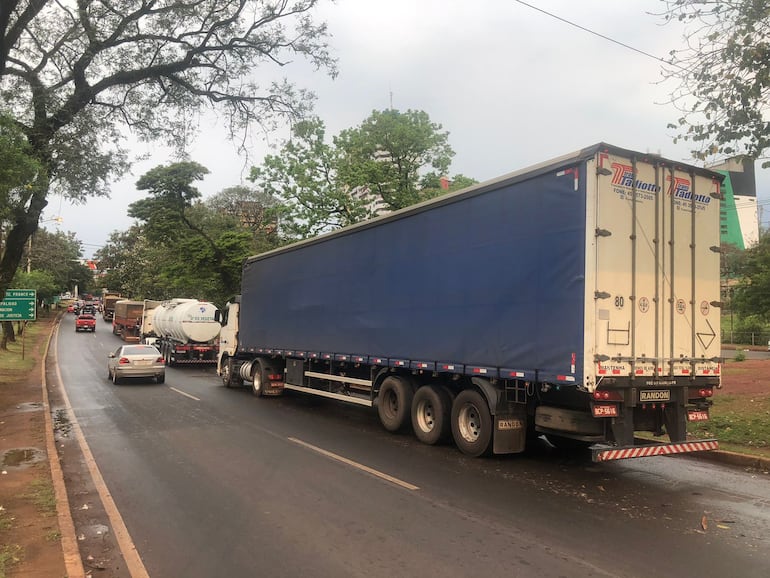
[
  {"x": 256, "y": 384},
  {"x": 469, "y": 422},
  {"x": 391, "y": 403},
  {"x": 226, "y": 373},
  {"x": 426, "y": 416}
]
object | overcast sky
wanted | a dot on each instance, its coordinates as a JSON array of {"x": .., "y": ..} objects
[{"x": 512, "y": 86}]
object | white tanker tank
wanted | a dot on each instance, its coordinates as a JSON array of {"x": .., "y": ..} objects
[{"x": 187, "y": 331}]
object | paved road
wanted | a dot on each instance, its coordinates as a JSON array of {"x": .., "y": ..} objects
[{"x": 215, "y": 482}]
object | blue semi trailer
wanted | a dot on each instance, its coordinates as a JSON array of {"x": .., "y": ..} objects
[{"x": 577, "y": 299}]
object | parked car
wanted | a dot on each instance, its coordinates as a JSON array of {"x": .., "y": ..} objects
[
  {"x": 85, "y": 322},
  {"x": 136, "y": 361}
]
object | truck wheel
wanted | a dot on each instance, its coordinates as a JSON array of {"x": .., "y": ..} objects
[
  {"x": 471, "y": 423},
  {"x": 395, "y": 403},
  {"x": 431, "y": 414},
  {"x": 229, "y": 378},
  {"x": 257, "y": 380}
]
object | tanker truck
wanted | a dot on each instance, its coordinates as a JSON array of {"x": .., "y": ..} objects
[
  {"x": 127, "y": 319},
  {"x": 187, "y": 331},
  {"x": 577, "y": 301}
]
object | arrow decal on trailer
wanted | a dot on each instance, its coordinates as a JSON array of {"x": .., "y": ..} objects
[{"x": 711, "y": 336}]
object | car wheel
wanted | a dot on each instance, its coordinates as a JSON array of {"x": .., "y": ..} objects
[
  {"x": 160, "y": 378},
  {"x": 115, "y": 378}
]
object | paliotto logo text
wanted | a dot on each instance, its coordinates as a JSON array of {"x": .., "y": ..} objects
[{"x": 623, "y": 175}]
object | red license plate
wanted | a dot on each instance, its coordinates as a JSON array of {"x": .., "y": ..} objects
[
  {"x": 697, "y": 415},
  {"x": 609, "y": 410}
]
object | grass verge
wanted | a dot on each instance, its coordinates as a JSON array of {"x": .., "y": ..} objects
[
  {"x": 740, "y": 421},
  {"x": 12, "y": 361},
  {"x": 9, "y": 555}
]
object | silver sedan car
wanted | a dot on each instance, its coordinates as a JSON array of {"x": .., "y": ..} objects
[{"x": 136, "y": 361}]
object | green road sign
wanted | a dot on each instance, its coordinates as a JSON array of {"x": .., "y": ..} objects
[{"x": 18, "y": 305}]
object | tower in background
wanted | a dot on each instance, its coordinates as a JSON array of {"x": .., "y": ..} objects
[{"x": 739, "y": 218}]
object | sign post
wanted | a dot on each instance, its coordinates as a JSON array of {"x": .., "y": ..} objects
[{"x": 19, "y": 305}]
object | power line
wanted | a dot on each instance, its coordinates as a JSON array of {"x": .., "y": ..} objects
[{"x": 598, "y": 34}]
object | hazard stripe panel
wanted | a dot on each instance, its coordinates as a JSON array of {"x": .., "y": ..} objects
[{"x": 655, "y": 450}]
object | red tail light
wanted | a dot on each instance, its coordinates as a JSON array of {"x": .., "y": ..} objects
[
  {"x": 608, "y": 395},
  {"x": 275, "y": 377},
  {"x": 700, "y": 392},
  {"x": 123, "y": 360},
  {"x": 160, "y": 360}
]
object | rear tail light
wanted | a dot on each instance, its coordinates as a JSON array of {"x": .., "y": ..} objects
[
  {"x": 160, "y": 360},
  {"x": 700, "y": 392},
  {"x": 275, "y": 377},
  {"x": 608, "y": 395},
  {"x": 123, "y": 361}
]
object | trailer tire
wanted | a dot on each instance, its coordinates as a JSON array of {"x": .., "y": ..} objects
[
  {"x": 431, "y": 414},
  {"x": 394, "y": 403},
  {"x": 472, "y": 423}
]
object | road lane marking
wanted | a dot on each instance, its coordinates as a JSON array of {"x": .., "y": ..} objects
[
  {"x": 131, "y": 557},
  {"x": 180, "y": 392},
  {"x": 367, "y": 469}
]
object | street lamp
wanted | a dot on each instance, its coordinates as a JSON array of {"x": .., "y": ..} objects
[{"x": 58, "y": 220}]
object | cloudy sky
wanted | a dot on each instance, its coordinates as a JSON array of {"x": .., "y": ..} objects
[{"x": 512, "y": 86}]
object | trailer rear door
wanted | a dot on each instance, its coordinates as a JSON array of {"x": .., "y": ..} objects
[{"x": 656, "y": 250}]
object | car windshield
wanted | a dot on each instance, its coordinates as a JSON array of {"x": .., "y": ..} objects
[
  {"x": 86, "y": 317},
  {"x": 140, "y": 350}
]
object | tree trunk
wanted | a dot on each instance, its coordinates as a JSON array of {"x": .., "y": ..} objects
[{"x": 8, "y": 335}]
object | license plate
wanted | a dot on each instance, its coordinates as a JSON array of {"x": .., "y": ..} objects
[
  {"x": 697, "y": 415},
  {"x": 610, "y": 410},
  {"x": 655, "y": 395},
  {"x": 143, "y": 362}
]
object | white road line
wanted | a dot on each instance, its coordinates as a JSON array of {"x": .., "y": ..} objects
[
  {"x": 133, "y": 561},
  {"x": 367, "y": 469},
  {"x": 180, "y": 392}
]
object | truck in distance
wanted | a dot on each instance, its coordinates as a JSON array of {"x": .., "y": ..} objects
[
  {"x": 185, "y": 330},
  {"x": 127, "y": 319},
  {"x": 578, "y": 300},
  {"x": 109, "y": 298}
]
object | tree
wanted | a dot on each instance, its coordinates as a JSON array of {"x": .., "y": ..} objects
[
  {"x": 197, "y": 252},
  {"x": 751, "y": 293},
  {"x": 390, "y": 161},
  {"x": 723, "y": 76},
  {"x": 391, "y": 152},
  {"x": 74, "y": 75},
  {"x": 59, "y": 254},
  {"x": 304, "y": 177}
]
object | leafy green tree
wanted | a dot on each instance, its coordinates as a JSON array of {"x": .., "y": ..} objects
[
  {"x": 193, "y": 250},
  {"x": 391, "y": 153},
  {"x": 17, "y": 168},
  {"x": 304, "y": 177},
  {"x": 723, "y": 78},
  {"x": 60, "y": 255},
  {"x": 245, "y": 208},
  {"x": 392, "y": 160},
  {"x": 74, "y": 75},
  {"x": 751, "y": 294}
]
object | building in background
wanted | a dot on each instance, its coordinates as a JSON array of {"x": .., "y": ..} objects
[{"x": 740, "y": 213}]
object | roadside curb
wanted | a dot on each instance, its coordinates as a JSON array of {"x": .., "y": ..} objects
[{"x": 734, "y": 459}]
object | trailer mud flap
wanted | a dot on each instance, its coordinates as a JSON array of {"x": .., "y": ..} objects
[
  {"x": 510, "y": 435},
  {"x": 601, "y": 453}
]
